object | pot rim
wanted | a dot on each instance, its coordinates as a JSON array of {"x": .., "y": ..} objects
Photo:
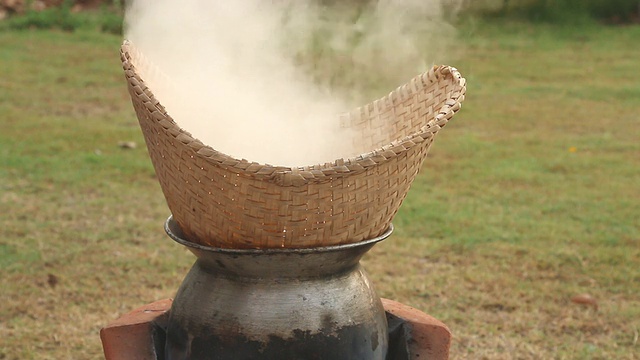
[{"x": 172, "y": 229}]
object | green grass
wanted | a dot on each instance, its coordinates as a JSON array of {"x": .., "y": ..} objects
[
  {"x": 529, "y": 197},
  {"x": 108, "y": 18},
  {"x": 559, "y": 11}
]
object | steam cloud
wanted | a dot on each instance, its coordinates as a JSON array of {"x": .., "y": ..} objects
[{"x": 266, "y": 80}]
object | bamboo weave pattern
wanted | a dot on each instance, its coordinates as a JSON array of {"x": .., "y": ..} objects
[{"x": 222, "y": 201}]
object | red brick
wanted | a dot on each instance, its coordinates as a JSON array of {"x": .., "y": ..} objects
[
  {"x": 129, "y": 337},
  {"x": 431, "y": 338}
]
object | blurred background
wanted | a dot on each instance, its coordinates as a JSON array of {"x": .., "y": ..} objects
[{"x": 521, "y": 233}]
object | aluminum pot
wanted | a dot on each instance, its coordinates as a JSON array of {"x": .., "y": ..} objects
[{"x": 315, "y": 303}]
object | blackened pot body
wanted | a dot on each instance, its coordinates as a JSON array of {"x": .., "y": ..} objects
[{"x": 315, "y": 303}]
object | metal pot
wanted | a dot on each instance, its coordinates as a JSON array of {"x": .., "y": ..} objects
[{"x": 315, "y": 303}]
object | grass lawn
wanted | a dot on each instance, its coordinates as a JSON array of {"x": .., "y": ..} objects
[{"x": 529, "y": 197}]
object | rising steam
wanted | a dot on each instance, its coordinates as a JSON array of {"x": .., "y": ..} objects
[{"x": 266, "y": 80}]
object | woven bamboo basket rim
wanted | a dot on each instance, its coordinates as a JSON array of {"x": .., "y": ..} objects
[{"x": 319, "y": 173}]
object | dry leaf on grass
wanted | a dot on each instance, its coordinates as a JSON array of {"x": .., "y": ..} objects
[{"x": 586, "y": 300}]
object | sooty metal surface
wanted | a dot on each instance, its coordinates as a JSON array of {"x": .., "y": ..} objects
[
  {"x": 315, "y": 303},
  {"x": 399, "y": 333}
]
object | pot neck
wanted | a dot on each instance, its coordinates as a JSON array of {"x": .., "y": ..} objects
[{"x": 277, "y": 263}]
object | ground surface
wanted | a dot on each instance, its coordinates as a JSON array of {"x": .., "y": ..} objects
[{"x": 529, "y": 198}]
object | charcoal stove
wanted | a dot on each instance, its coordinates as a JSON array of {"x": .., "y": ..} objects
[{"x": 248, "y": 304}]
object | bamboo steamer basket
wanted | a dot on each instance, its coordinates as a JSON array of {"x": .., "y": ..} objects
[{"x": 221, "y": 201}]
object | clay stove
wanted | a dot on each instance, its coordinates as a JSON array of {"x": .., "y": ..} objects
[{"x": 333, "y": 313}]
